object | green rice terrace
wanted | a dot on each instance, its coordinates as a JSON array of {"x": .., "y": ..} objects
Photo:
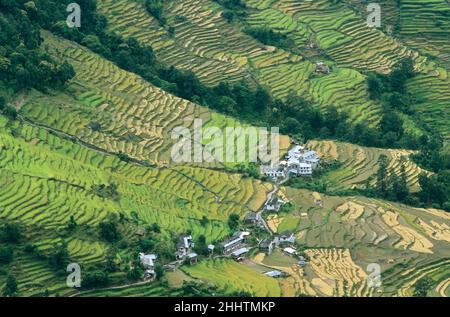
[{"x": 88, "y": 174}]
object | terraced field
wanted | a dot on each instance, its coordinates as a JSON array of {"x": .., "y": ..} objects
[
  {"x": 424, "y": 25},
  {"x": 111, "y": 127},
  {"x": 360, "y": 164},
  {"x": 131, "y": 115},
  {"x": 46, "y": 179},
  {"x": 280, "y": 71},
  {"x": 434, "y": 99},
  {"x": 28, "y": 166},
  {"x": 231, "y": 277},
  {"x": 393, "y": 235}
]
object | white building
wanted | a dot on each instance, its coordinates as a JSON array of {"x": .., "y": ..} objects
[
  {"x": 310, "y": 157},
  {"x": 234, "y": 242},
  {"x": 148, "y": 261},
  {"x": 239, "y": 254},
  {"x": 301, "y": 161},
  {"x": 184, "y": 246},
  {"x": 274, "y": 204},
  {"x": 290, "y": 251},
  {"x": 274, "y": 273},
  {"x": 287, "y": 237},
  {"x": 273, "y": 171}
]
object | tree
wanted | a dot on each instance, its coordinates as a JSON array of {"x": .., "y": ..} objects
[
  {"x": 95, "y": 278},
  {"x": 72, "y": 224},
  {"x": 374, "y": 86},
  {"x": 6, "y": 254},
  {"x": 10, "y": 233},
  {"x": 59, "y": 258},
  {"x": 200, "y": 246},
  {"x": 204, "y": 221},
  {"x": 109, "y": 230},
  {"x": 159, "y": 271},
  {"x": 382, "y": 175},
  {"x": 147, "y": 245},
  {"x": 422, "y": 287},
  {"x": 2, "y": 103},
  {"x": 233, "y": 221},
  {"x": 402, "y": 191},
  {"x": 11, "y": 288},
  {"x": 155, "y": 228}
]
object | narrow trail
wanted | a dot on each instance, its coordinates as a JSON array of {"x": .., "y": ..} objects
[
  {"x": 111, "y": 288},
  {"x": 269, "y": 198}
]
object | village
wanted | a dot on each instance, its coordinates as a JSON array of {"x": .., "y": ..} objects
[{"x": 298, "y": 162}]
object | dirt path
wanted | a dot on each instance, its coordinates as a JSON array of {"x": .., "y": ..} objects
[
  {"x": 112, "y": 288},
  {"x": 269, "y": 198}
]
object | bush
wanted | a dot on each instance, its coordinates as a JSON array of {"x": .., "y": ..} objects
[
  {"x": 10, "y": 233},
  {"x": 92, "y": 279},
  {"x": 6, "y": 254},
  {"x": 109, "y": 231}
]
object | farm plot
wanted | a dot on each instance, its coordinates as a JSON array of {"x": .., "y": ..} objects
[
  {"x": 198, "y": 43},
  {"x": 405, "y": 241},
  {"x": 202, "y": 37},
  {"x": 359, "y": 164},
  {"x": 39, "y": 187},
  {"x": 424, "y": 25},
  {"x": 111, "y": 108},
  {"x": 233, "y": 277},
  {"x": 434, "y": 99},
  {"x": 344, "y": 35},
  {"x": 354, "y": 221}
]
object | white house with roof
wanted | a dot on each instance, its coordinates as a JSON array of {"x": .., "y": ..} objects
[
  {"x": 239, "y": 253},
  {"x": 301, "y": 161},
  {"x": 274, "y": 204},
  {"x": 184, "y": 246},
  {"x": 273, "y": 172},
  {"x": 148, "y": 261},
  {"x": 310, "y": 157},
  {"x": 234, "y": 242},
  {"x": 290, "y": 251},
  {"x": 287, "y": 237},
  {"x": 275, "y": 273}
]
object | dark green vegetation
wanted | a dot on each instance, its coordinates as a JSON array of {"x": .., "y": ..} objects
[{"x": 22, "y": 64}]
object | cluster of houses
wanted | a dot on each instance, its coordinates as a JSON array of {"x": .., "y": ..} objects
[
  {"x": 286, "y": 242},
  {"x": 299, "y": 161},
  {"x": 234, "y": 247}
]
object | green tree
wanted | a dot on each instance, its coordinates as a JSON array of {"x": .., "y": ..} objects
[
  {"x": 6, "y": 254},
  {"x": 402, "y": 191},
  {"x": 11, "y": 287},
  {"x": 59, "y": 257},
  {"x": 72, "y": 224},
  {"x": 422, "y": 287},
  {"x": 11, "y": 233},
  {"x": 109, "y": 230},
  {"x": 159, "y": 271},
  {"x": 233, "y": 221},
  {"x": 382, "y": 175},
  {"x": 95, "y": 278},
  {"x": 200, "y": 246}
]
